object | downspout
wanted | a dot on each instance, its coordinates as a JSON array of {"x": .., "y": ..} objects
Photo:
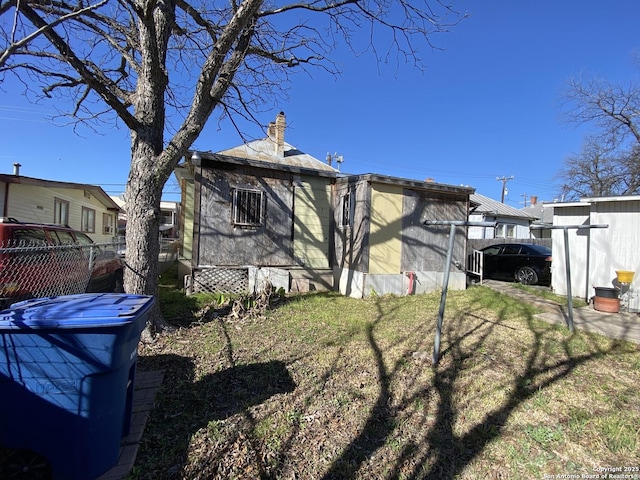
[{"x": 5, "y": 209}]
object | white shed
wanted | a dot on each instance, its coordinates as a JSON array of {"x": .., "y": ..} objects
[{"x": 595, "y": 254}]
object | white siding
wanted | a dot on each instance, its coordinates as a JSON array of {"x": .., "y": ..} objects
[
  {"x": 521, "y": 226},
  {"x": 596, "y": 254},
  {"x": 480, "y": 232},
  {"x": 31, "y": 203},
  {"x": 617, "y": 247},
  {"x": 578, "y": 251}
]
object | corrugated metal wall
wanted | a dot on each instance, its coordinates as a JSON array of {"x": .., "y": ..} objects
[{"x": 578, "y": 249}]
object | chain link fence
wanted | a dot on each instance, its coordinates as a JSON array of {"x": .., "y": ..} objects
[{"x": 34, "y": 271}]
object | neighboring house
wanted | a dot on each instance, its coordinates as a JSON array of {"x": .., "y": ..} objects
[
  {"x": 169, "y": 212},
  {"x": 122, "y": 214},
  {"x": 260, "y": 210},
  {"x": 595, "y": 254},
  {"x": 510, "y": 223},
  {"x": 80, "y": 206},
  {"x": 381, "y": 242},
  {"x": 543, "y": 212}
]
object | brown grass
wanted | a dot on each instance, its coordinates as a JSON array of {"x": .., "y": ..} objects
[{"x": 327, "y": 387}]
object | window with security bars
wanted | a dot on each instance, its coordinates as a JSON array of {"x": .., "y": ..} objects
[{"x": 247, "y": 207}]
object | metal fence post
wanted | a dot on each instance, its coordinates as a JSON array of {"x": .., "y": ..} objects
[
  {"x": 447, "y": 269},
  {"x": 567, "y": 262}
]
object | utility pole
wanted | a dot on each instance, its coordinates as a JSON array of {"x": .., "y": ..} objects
[
  {"x": 504, "y": 181},
  {"x": 338, "y": 158},
  {"x": 525, "y": 198}
]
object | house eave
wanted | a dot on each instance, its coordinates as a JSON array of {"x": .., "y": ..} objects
[
  {"x": 619, "y": 198},
  {"x": 209, "y": 160},
  {"x": 408, "y": 183},
  {"x": 97, "y": 191}
]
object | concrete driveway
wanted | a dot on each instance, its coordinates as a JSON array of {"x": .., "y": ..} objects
[{"x": 623, "y": 325}]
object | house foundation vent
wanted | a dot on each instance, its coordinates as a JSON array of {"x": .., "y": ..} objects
[{"x": 220, "y": 280}]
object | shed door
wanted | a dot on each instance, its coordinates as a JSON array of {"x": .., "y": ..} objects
[{"x": 311, "y": 224}]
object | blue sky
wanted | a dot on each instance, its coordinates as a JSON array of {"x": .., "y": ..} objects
[{"x": 488, "y": 105}]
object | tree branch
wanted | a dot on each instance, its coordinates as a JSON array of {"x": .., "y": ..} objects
[
  {"x": 97, "y": 82},
  {"x": 14, "y": 46}
]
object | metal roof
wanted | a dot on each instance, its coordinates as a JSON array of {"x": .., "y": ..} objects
[
  {"x": 264, "y": 150},
  {"x": 492, "y": 207},
  {"x": 406, "y": 182}
]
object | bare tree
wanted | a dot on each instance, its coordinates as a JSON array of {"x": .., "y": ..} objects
[
  {"x": 608, "y": 162},
  {"x": 599, "y": 171},
  {"x": 162, "y": 67}
]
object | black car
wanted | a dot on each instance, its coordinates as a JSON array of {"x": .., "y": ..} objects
[{"x": 521, "y": 262}]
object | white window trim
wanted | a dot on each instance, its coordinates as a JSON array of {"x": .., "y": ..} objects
[
  {"x": 59, "y": 206},
  {"x": 88, "y": 222}
]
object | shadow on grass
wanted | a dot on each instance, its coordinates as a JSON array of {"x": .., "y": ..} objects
[
  {"x": 185, "y": 405},
  {"x": 448, "y": 453},
  {"x": 438, "y": 447}
]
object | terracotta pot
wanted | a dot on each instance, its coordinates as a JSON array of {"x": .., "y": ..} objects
[{"x": 609, "y": 305}]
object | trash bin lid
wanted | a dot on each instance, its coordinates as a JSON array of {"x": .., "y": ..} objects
[{"x": 87, "y": 310}]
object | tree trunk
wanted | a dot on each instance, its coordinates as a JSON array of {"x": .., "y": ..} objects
[{"x": 143, "y": 195}]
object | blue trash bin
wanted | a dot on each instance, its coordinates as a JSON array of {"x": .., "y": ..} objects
[{"x": 67, "y": 370}]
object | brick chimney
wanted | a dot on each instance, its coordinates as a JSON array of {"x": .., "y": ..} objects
[
  {"x": 281, "y": 124},
  {"x": 534, "y": 200},
  {"x": 275, "y": 132}
]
